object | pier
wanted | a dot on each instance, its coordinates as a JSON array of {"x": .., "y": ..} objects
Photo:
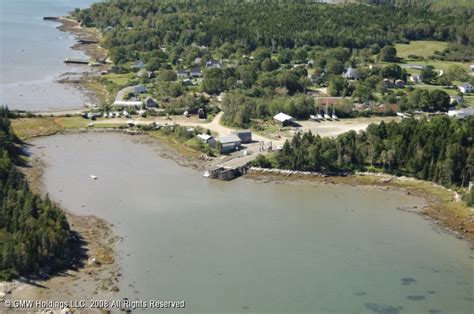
[
  {"x": 76, "y": 61},
  {"x": 50, "y": 18},
  {"x": 231, "y": 169}
]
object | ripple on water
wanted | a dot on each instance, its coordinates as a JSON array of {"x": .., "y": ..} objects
[
  {"x": 416, "y": 297},
  {"x": 406, "y": 281},
  {"x": 383, "y": 309}
]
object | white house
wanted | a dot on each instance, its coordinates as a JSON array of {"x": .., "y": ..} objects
[
  {"x": 128, "y": 103},
  {"x": 196, "y": 72},
  {"x": 466, "y": 88},
  {"x": 350, "y": 74},
  {"x": 182, "y": 74},
  {"x": 415, "y": 78},
  {"x": 213, "y": 64}
]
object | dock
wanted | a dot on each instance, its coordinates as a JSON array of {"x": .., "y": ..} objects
[
  {"x": 76, "y": 61},
  {"x": 231, "y": 169},
  {"x": 50, "y": 18}
]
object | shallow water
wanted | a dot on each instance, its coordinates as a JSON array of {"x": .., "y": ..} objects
[
  {"x": 246, "y": 246},
  {"x": 32, "y": 52}
]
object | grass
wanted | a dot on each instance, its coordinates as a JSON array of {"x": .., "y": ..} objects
[
  {"x": 422, "y": 48},
  {"x": 26, "y": 128}
]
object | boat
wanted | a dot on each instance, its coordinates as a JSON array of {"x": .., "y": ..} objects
[
  {"x": 327, "y": 116},
  {"x": 334, "y": 117},
  {"x": 313, "y": 117},
  {"x": 206, "y": 174},
  {"x": 131, "y": 123},
  {"x": 320, "y": 117},
  {"x": 93, "y": 177}
]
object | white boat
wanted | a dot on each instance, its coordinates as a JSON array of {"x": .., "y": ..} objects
[
  {"x": 91, "y": 125},
  {"x": 313, "y": 117},
  {"x": 327, "y": 116},
  {"x": 131, "y": 122},
  {"x": 206, "y": 174},
  {"x": 320, "y": 117},
  {"x": 334, "y": 117},
  {"x": 93, "y": 177}
]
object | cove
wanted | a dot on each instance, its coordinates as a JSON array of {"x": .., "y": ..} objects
[{"x": 253, "y": 247}]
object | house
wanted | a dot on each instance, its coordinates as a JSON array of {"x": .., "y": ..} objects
[
  {"x": 196, "y": 72},
  {"x": 461, "y": 113},
  {"x": 458, "y": 99},
  {"x": 187, "y": 82},
  {"x": 472, "y": 67},
  {"x": 350, "y": 74},
  {"x": 151, "y": 103},
  {"x": 182, "y": 74},
  {"x": 229, "y": 143},
  {"x": 284, "y": 119},
  {"x": 213, "y": 64},
  {"x": 244, "y": 135},
  {"x": 466, "y": 88},
  {"x": 139, "y": 89},
  {"x": 207, "y": 139},
  {"x": 416, "y": 79},
  {"x": 138, "y": 65},
  {"x": 399, "y": 83}
]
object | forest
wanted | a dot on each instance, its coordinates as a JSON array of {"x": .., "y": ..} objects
[
  {"x": 34, "y": 232},
  {"x": 439, "y": 150},
  {"x": 138, "y": 29}
]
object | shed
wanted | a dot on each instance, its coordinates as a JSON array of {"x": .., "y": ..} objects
[
  {"x": 229, "y": 143},
  {"x": 244, "y": 135},
  {"x": 207, "y": 139},
  {"x": 138, "y": 65},
  {"x": 284, "y": 119}
]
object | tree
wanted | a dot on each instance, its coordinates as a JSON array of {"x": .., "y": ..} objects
[
  {"x": 388, "y": 54},
  {"x": 392, "y": 71},
  {"x": 214, "y": 81},
  {"x": 428, "y": 74},
  {"x": 338, "y": 86}
]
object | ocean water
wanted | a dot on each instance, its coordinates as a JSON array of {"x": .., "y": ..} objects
[
  {"x": 32, "y": 52},
  {"x": 253, "y": 247}
]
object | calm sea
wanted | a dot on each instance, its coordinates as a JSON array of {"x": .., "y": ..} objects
[
  {"x": 32, "y": 52},
  {"x": 252, "y": 247}
]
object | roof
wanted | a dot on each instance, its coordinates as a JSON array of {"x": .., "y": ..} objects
[
  {"x": 204, "y": 137},
  {"x": 232, "y": 138},
  {"x": 182, "y": 72},
  {"x": 282, "y": 117},
  {"x": 128, "y": 103},
  {"x": 196, "y": 70},
  {"x": 242, "y": 132}
]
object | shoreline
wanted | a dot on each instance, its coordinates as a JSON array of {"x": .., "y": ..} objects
[
  {"x": 98, "y": 271},
  {"x": 99, "y": 280},
  {"x": 442, "y": 206}
]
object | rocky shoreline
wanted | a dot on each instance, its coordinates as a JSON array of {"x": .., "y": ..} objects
[{"x": 443, "y": 206}]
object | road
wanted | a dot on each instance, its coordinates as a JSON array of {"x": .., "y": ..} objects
[{"x": 123, "y": 92}]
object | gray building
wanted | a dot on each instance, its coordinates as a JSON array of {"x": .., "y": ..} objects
[
  {"x": 244, "y": 135},
  {"x": 229, "y": 143}
]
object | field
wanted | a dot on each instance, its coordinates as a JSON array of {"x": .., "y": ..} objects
[{"x": 420, "y": 48}]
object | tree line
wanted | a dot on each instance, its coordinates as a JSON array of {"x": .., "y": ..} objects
[
  {"x": 439, "y": 150},
  {"x": 34, "y": 232},
  {"x": 138, "y": 29}
]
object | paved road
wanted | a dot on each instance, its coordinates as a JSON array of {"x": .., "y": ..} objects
[{"x": 123, "y": 92}]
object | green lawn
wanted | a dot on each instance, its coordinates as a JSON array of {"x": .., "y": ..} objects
[{"x": 422, "y": 48}]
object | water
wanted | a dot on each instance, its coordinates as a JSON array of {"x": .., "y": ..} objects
[
  {"x": 252, "y": 247},
  {"x": 32, "y": 52}
]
